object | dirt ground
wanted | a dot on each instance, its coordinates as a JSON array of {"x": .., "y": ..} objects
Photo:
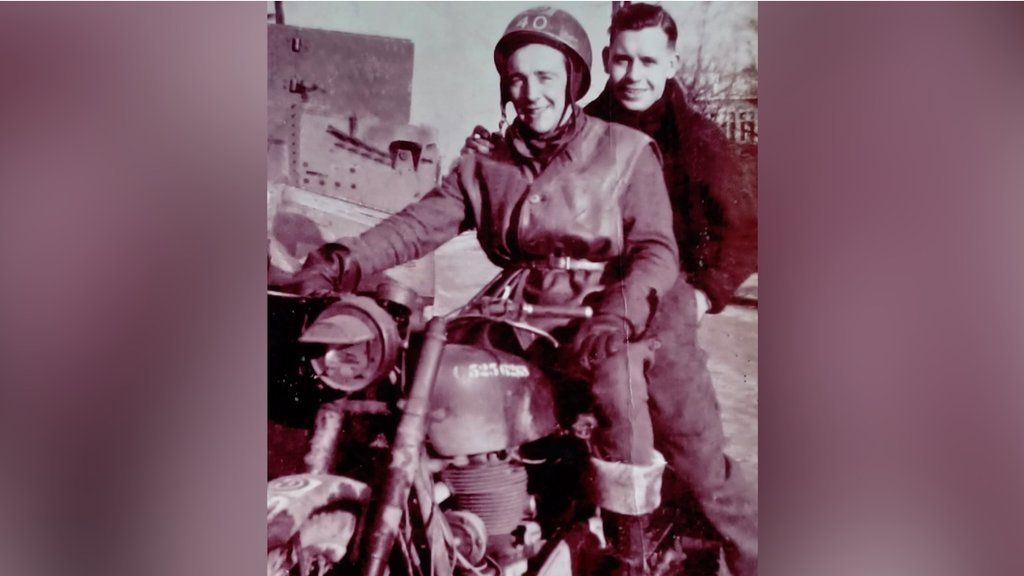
[{"x": 730, "y": 340}]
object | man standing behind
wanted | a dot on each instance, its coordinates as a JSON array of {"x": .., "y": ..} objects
[
  {"x": 715, "y": 210},
  {"x": 715, "y": 221}
]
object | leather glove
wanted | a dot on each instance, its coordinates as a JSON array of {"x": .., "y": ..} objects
[
  {"x": 600, "y": 337},
  {"x": 327, "y": 270}
]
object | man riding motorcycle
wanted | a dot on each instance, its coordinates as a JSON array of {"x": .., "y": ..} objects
[
  {"x": 575, "y": 211},
  {"x": 715, "y": 220}
]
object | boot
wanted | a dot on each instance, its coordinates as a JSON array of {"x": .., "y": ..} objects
[
  {"x": 628, "y": 544},
  {"x": 627, "y": 494}
]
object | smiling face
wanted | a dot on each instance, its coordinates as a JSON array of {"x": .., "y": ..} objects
[
  {"x": 639, "y": 63},
  {"x": 537, "y": 78}
]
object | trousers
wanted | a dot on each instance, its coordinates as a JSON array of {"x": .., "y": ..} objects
[{"x": 687, "y": 427}]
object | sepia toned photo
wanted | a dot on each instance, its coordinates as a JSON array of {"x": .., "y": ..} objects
[{"x": 512, "y": 288}]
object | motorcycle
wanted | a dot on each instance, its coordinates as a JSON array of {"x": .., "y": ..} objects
[{"x": 439, "y": 456}]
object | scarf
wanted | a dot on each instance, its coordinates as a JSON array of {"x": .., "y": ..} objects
[
  {"x": 659, "y": 121},
  {"x": 537, "y": 150}
]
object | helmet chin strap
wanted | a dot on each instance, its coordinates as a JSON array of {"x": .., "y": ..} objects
[
  {"x": 570, "y": 90},
  {"x": 566, "y": 114},
  {"x": 570, "y": 81},
  {"x": 503, "y": 123}
]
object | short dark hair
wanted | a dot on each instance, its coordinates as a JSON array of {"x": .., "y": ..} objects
[{"x": 639, "y": 16}]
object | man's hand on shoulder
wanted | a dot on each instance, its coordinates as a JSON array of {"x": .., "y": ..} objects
[
  {"x": 480, "y": 141},
  {"x": 703, "y": 304}
]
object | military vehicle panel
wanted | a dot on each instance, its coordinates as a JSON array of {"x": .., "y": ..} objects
[{"x": 341, "y": 154}]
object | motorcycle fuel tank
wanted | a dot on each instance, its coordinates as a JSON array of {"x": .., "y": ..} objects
[{"x": 486, "y": 400}]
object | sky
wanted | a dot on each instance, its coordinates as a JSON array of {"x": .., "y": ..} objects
[{"x": 455, "y": 85}]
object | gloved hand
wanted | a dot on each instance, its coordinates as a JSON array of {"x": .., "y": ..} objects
[
  {"x": 600, "y": 337},
  {"x": 327, "y": 270}
]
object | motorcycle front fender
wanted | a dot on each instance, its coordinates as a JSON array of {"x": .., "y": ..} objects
[{"x": 311, "y": 518}]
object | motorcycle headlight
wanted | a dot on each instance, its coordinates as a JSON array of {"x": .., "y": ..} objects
[{"x": 361, "y": 339}]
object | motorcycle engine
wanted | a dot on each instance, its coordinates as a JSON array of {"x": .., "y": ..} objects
[
  {"x": 485, "y": 404},
  {"x": 494, "y": 490}
]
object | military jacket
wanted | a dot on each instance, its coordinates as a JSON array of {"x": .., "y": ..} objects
[{"x": 601, "y": 199}]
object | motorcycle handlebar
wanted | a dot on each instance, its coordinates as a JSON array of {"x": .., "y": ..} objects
[
  {"x": 582, "y": 312},
  {"x": 509, "y": 310},
  {"x": 281, "y": 294}
]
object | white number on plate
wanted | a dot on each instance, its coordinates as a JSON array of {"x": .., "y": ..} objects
[{"x": 493, "y": 369}]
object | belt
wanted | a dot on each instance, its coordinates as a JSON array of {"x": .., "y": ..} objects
[{"x": 566, "y": 263}]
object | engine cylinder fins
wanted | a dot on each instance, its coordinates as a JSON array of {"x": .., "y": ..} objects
[
  {"x": 496, "y": 492},
  {"x": 485, "y": 478}
]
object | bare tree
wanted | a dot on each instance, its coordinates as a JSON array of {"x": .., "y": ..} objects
[{"x": 718, "y": 45}]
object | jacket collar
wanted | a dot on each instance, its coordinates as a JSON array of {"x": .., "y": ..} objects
[
  {"x": 538, "y": 151},
  {"x": 663, "y": 120}
]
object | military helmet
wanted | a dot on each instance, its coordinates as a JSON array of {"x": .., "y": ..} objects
[{"x": 556, "y": 28}]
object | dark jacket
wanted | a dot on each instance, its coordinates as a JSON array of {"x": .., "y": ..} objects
[
  {"x": 602, "y": 198},
  {"x": 714, "y": 202}
]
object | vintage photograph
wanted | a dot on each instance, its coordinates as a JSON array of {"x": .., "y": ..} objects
[{"x": 512, "y": 288}]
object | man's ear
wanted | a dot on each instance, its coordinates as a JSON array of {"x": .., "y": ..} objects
[
  {"x": 674, "y": 63},
  {"x": 604, "y": 59}
]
